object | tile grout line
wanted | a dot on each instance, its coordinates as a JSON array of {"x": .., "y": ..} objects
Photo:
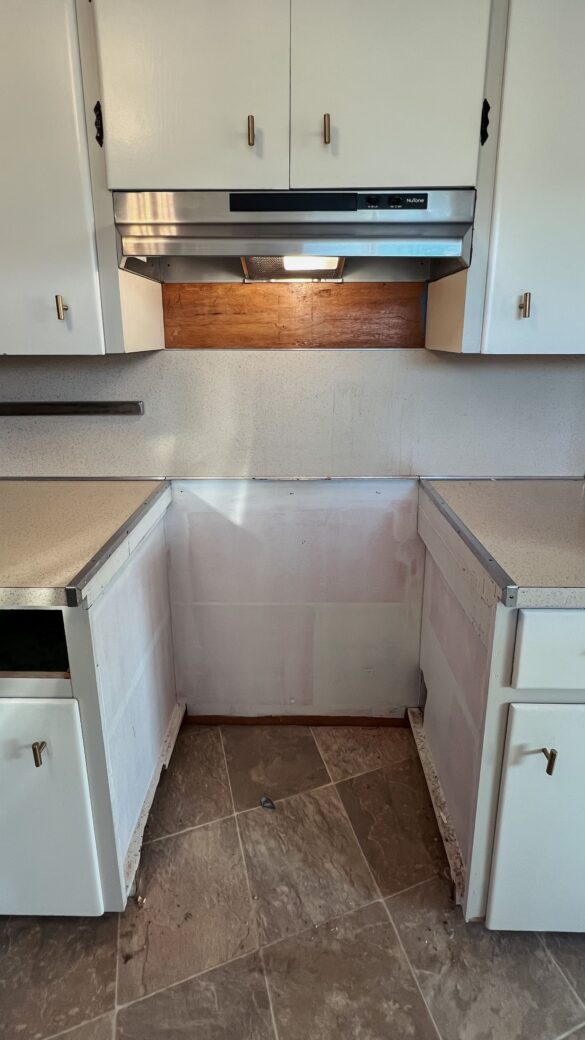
[
  {"x": 320, "y": 753},
  {"x": 321, "y": 924},
  {"x": 268, "y": 991},
  {"x": 389, "y": 916},
  {"x": 572, "y": 1032},
  {"x": 241, "y": 844},
  {"x": 560, "y": 970},
  {"x": 80, "y": 1025},
  {"x": 287, "y": 798},
  {"x": 412, "y": 971},
  {"x": 179, "y": 982},
  {"x": 186, "y": 830}
]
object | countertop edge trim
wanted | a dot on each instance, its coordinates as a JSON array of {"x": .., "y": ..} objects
[
  {"x": 81, "y": 579},
  {"x": 506, "y": 584}
]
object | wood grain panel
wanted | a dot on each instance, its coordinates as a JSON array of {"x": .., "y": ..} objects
[{"x": 311, "y": 314}]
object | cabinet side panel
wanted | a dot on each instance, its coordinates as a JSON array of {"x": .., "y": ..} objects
[
  {"x": 455, "y": 663},
  {"x": 131, "y": 630}
]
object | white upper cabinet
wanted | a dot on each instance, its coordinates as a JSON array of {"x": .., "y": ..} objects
[
  {"x": 402, "y": 82},
  {"x": 48, "y": 244},
  {"x": 195, "y": 93},
  {"x": 522, "y": 292},
  {"x": 538, "y": 227}
]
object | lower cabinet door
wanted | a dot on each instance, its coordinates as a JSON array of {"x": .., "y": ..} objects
[
  {"x": 48, "y": 858},
  {"x": 538, "y": 864}
]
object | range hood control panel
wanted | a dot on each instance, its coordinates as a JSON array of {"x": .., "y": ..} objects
[
  {"x": 414, "y": 200},
  {"x": 325, "y": 202}
]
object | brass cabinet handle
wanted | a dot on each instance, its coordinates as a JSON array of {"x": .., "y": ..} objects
[
  {"x": 37, "y": 750},
  {"x": 251, "y": 132},
  {"x": 524, "y": 305},
  {"x": 551, "y": 760},
  {"x": 327, "y": 128},
  {"x": 61, "y": 307}
]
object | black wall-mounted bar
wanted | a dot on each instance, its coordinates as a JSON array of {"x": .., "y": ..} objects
[{"x": 71, "y": 408}]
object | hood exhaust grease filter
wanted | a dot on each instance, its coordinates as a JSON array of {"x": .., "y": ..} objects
[{"x": 292, "y": 268}]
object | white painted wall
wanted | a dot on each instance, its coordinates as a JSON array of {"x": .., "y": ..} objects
[
  {"x": 296, "y": 597},
  {"x": 300, "y": 414}
]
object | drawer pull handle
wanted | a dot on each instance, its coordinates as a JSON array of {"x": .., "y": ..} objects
[
  {"x": 327, "y": 128},
  {"x": 37, "y": 750},
  {"x": 62, "y": 308},
  {"x": 551, "y": 760},
  {"x": 524, "y": 305},
  {"x": 251, "y": 132}
]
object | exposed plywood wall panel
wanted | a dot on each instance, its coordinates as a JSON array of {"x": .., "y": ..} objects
[
  {"x": 312, "y": 314},
  {"x": 296, "y": 598}
]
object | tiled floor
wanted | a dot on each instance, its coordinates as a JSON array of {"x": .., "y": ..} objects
[{"x": 328, "y": 918}]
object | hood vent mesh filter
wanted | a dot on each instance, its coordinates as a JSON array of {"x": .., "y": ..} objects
[{"x": 273, "y": 269}]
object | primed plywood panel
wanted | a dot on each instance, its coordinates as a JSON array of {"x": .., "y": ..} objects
[
  {"x": 271, "y": 316},
  {"x": 293, "y": 598}
]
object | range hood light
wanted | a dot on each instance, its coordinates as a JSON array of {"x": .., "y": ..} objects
[
  {"x": 293, "y": 268},
  {"x": 310, "y": 263}
]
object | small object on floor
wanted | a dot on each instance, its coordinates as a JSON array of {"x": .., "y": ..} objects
[{"x": 267, "y": 802}]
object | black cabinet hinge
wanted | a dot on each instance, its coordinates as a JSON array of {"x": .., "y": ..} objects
[
  {"x": 99, "y": 123},
  {"x": 485, "y": 122}
]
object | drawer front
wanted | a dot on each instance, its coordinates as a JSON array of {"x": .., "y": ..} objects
[
  {"x": 550, "y": 650},
  {"x": 538, "y": 863},
  {"x": 49, "y": 860},
  {"x": 39, "y": 684}
]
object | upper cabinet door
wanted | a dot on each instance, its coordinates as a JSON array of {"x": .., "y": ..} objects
[
  {"x": 538, "y": 225},
  {"x": 402, "y": 83},
  {"x": 195, "y": 93},
  {"x": 46, "y": 215}
]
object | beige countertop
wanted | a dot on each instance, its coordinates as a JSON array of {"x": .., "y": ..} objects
[
  {"x": 52, "y": 532},
  {"x": 533, "y": 529}
]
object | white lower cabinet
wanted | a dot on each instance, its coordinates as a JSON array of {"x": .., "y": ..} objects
[
  {"x": 538, "y": 864},
  {"x": 46, "y": 866}
]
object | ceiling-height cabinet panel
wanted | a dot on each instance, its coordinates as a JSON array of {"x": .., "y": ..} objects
[
  {"x": 386, "y": 92},
  {"x": 195, "y": 93},
  {"x": 49, "y": 290},
  {"x": 534, "y": 294}
]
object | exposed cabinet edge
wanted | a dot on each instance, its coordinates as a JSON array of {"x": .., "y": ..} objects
[
  {"x": 466, "y": 290},
  {"x": 118, "y": 289}
]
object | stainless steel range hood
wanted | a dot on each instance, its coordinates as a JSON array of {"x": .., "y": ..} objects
[{"x": 426, "y": 224}]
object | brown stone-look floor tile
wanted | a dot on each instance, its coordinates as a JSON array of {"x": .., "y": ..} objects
[
  {"x": 349, "y": 750},
  {"x": 194, "y": 789},
  {"x": 304, "y": 863},
  {"x": 275, "y": 760},
  {"x": 480, "y": 984},
  {"x": 55, "y": 972},
  {"x": 228, "y": 1003},
  {"x": 99, "y": 1029},
  {"x": 347, "y": 978},
  {"x": 568, "y": 950},
  {"x": 197, "y": 912},
  {"x": 393, "y": 818}
]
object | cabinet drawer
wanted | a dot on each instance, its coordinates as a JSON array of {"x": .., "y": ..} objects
[
  {"x": 49, "y": 860},
  {"x": 550, "y": 650},
  {"x": 35, "y": 684},
  {"x": 539, "y": 853}
]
